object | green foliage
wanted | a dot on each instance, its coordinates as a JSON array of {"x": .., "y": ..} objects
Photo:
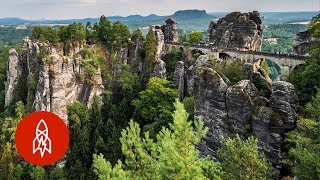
[
  {"x": 242, "y": 160},
  {"x": 304, "y": 157},
  {"x": 151, "y": 49},
  {"x": 136, "y": 34},
  {"x": 313, "y": 107},
  {"x": 45, "y": 34},
  {"x": 171, "y": 60},
  {"x": 195, "y": 37},
  {"x": 262, "y": 85},
  {"x": 38, "y": 173},
  {"x": 188, "y": 103},
  {"x": 234, "y": 71},
  {"x": 114, "y": 35},
  {"x": 306, "y": 77},
  {"x": 154, "y": 107},
  {"x": 172, "y": 156},
  {"x": 79, "y": 154},
  {"x": 3, "y": 77},
  {"x": 72, "y": 32},
  {"x": 10, "y": 36},
  {"x": 57, "y": 174},
  {"x": 8, "y": 154},
  {"x": 284, "y": 33}
]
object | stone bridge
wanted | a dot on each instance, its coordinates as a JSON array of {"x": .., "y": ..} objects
[{"x": 286, "y": 62}]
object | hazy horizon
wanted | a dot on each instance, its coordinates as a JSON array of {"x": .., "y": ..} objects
[{"x": 77, "y": 9}]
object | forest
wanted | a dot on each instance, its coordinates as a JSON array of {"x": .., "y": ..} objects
[{"x": 140, "y": 129}]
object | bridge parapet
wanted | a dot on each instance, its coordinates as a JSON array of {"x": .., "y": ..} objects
[{"x": 216, "y": 49}]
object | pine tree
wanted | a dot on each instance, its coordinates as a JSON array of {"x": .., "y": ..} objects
[
  {"x": 79, "y": 156},
  {"x": 172, "y": 156},
  {"x": 151, "y": 49},
  {"x": 242, "y": 160}
]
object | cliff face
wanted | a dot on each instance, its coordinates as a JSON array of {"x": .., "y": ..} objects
[
  {"x": 237, "y": 30},
  {"x": 302, "y": 43},
  {"x": 238, "y": 109},
  {"x": 13, "y": 73},
  {"x": 59, "y": 78},
  {"x": 170, "y": 30}
]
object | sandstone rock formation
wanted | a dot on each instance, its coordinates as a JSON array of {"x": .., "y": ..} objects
[
  {"x": 59, "y": 78},
  {"x": 160, "y": 39},
  {"x": 13, "y": 73},
  {"x": 238, "y": 109},
  {"x": 160, "y": 69},
  {"x": 210, "y": 104},
  {"x": 302, "y": 43},
  {"x": 179, "y": 78},
  {"x": 135, "y": 52},
  {"x": 284, "y": 101},
  {"x": 170, "y": 31},
  {"x": 240, "y": 101},
  {"x": 237, "y": 30}
]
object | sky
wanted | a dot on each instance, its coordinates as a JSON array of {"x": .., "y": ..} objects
[{"x": 68, "y": 9}]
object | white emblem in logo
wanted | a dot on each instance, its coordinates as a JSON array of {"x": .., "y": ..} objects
[{"x": 42, "y": 142}]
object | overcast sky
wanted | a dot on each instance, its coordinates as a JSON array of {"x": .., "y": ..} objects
[{"x": 66, "y": 9}]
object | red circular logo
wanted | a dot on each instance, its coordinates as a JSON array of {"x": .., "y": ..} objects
[{"x": 42, "y": 138}]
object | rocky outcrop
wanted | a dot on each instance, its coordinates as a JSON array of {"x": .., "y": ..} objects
[
  {"x": 160, "y": 39},
  {"x": 228, "y": 110},
  {"x": 135, "y": 55},
  {"x": 303, "y": 43},
  {"x": 237, "y": 30},
  {"x": 210, "y": 104},
  {"x": 284, "y": 101},
  {"x": 268, "y": 130},
  {"x": 58, "y": 85},
  {"x": 170, "y": 31},
  {"x": 240, "y": 101},
  {"x": 13, "y": 73},
  {"x": 178, "y": 78},
  {"x": 60, "y": 79},
  {"x": 160, "y": 69}
]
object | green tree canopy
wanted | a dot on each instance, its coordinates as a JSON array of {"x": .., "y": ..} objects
[
  {"x": 195, "y": 37},
  {"x": 242, "y": 160},
  {"x": 306, "y": 77},
  {"x": 151, "y": 49},
  {"x": 172, "y": 156},
  {"x": 154, "y": 107}
]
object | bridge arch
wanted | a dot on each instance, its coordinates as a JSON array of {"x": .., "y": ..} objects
[{"x": 224, "y": 56}]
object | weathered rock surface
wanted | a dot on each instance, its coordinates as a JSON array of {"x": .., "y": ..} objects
[
  {"x": 59, "y": 78},
  {"x": 13, "y": 73},
  {"x": 160, "y": 39},
  {"x": 264, "y": 128},
  {"x": 237, "y": 30},
  {"x": 240, "y": 101},
  {"x": 135, "y": 52},
  {"x": 178, "y": 78},
  {"x": 170, "y": 30},
  {"x": 160, "y": 69},
  {"x": 238, "y": 109},
  {"x": 210, "y": 104},
  {"x": 284, "y": 101},
  {"x": 303, "y": 43}
]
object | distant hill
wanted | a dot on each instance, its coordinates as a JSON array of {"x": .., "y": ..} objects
[
  {"x": 191, "y": 14},
  {"x": 12, "y": 21},
  {"x": 289, "y": 15}
]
